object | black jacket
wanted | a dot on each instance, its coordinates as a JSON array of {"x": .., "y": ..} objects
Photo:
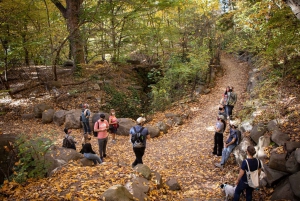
[{"x": 87, "y": 148}]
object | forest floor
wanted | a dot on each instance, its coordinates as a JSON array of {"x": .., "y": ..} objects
[{"x": 184, "y": 153}]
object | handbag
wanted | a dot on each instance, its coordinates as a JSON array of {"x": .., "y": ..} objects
[{"x": 253, "y": 177}]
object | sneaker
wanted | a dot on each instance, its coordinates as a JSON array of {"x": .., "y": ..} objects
[
  {"x": 214, "y": 153},
  {"x": 104, "y": 155},
  {"x": 219, "y": 165}
]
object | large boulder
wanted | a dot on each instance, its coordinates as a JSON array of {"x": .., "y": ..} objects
[
  {"x": 240, "y": 150},
  {"x": 284, "y": 192},
  {"x": 124, "y": 126},
  {"x": 262, "y": 142},
  {"x": 117, "y": 193},
  {"x": 277, "y": 162},
  {"x": 178, "y": 121},
  {"x": 292, "y": 165},
  {"x": 292, "y": 146},
  {"x": 143, "y": 170},
  {"x": 295, "y": 184},
  {"x": 47, "y": 116},
  {"x": 246, "y": 126},
  {"x": 258, "y": 131},
  {"x": 58, "y": 156},
  {"x": 158, "y": 179},
  {"x": 86, "y": 162},
  {"x": 73, "y": 119},
  {"x": 138, "y": 187},
  {"x": 59, "y": 117},
  {"x": 272, "y": 125},
  {"x": 153, "y": 131},
  {"x": 40, "y": 108},
  {"x": 273, "y": 175},
  {"x": 297, "y": 155},
  {"x": 279, "y": 137},
  {"x": 162, "y": 126},
  {"x": 28, "y": 116}
]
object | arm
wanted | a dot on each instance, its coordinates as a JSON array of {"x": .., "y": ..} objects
[
  {"x": 232, "y": 142},
  {"x": 148, "y": 137},
  {"x": 242, "y": 172}
]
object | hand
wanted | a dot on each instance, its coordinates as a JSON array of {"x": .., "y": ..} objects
[
  {"x": 225, "y": 145},
  {"x": 236, "y": 182}
]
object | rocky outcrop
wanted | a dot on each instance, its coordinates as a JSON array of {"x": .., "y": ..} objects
[
  {"x": 59, "y": 117},
  {"x": 40, "y": 108},
  {"x": 47, "y": 116},
  {"x": 73, "y": 119},
  {"x": 258, "y": 131}
]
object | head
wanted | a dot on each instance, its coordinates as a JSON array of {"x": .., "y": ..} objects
[
  {"x": 67, "y": 130},
  {"x": 231, "y": 88},
  {"x": 220, "y": 117},
  {"x": 112, "y": 112},
  {"x": 140, "y": 120},
  {"x": 251, "y": 150},
  {"x": 85, "y": 105},
  {"x": 234, "y": 124},
  {"x": 87, "y": 138},
  {"x": 102, "y": 117},
  {"x": 221, "y": 108}
]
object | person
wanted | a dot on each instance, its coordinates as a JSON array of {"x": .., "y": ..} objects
[
  {"x": 230, "y": 102},
  {"x": 222, "y": 112},
  {"x": 229, "y": 144},
  {"x": 113, "y": 124},
  {"x": 224, "y": 97},
  {"x": 88, "y": 153},
  {"x": 241, "y": 181},
  {"x": 139, "y": 152},
  {"x": 218, "y": 138},
  {"x": 85, "y": 116},
  {"x": 71, "y": 139},
  {"x": 85, "y": 139},
  {"x": 101, "y": 126}
]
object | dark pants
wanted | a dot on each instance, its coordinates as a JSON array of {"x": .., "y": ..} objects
[
  {"x": 102, "y": 147},
  {"x": 86, "y": 127},
  {"x": 228, "y": 110},
  {"x": 239, "y": 189},
  {"x": 139, "y": 153},
  {"x": 218, "y": 144}
]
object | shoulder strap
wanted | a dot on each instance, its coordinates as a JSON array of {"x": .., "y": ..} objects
[
  {"x": 248, "y": 165},
  {"x": 141, "y": 130},
  {"x": 257, "y": 163},
  {"x": 134, "y": 130}
]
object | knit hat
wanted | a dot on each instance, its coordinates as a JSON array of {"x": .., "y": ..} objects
[
  {"x": 221, "y": 117},
  {"x": 140, "y": 120}
]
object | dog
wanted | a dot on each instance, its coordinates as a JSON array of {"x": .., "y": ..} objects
[{"x": 229, "y": 190}]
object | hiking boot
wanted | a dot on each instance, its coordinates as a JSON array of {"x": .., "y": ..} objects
[
  {"x": 104, "y": 155},
  {"x": 219, "y": 154},
  {"x": 214, "y": 153},
  {"x": 219, "y": 165}
]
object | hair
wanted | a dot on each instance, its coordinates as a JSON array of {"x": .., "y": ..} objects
[
  {"x": 112, "y": 110},
  {"x": 251, "y": 150},
  {"x": 226, "y": 89},
  {"x": 66, "y": 130}
]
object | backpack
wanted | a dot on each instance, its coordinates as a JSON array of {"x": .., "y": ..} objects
[
  {"x": 137, "y": 139},
  {"x": 231, "y": 99},
  {"x": 238, "y": 137},
  {"x": 67, "y": 143},
  {"x": 253, "y": 177},
  {"x": 96, "y": 133}
]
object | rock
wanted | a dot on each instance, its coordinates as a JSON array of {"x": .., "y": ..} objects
[
  {"x": 39, "y": 109},
  {"x": 206, "y": 91},
  {"x": 124, "y": 126},
  {"x": 178, "y": 121},
  {"x": 54, "y": 83},
  {"x": 277, "y": 162},
  {"x": 68, "y": 63},
  {"x": 158, "y": 179},
  {"x": 292, "y": 146},
  {"x": 143, "y": 170},
  {"x": 140, "y": 186},
  {"x": 63, "y": 97},
  {"x": 73, "y": 119},
  {"x": 171, "y": 115},
  {"x": 47, "y": 116},
  {"x": 292, "y": 165},
  {"x": 283, "y": 191},
  {"x": 96, "y": 87},
  {"x": 295, "y": 184},
  {"x": 199, "y": 90},
  {"x": 86, "y": 162},
  {"x": 27, "y": 116},
  {"x": 297, "y": 155},
  {"x": 272, "y": 125},
  {"x": 153, "y": 131},
  {"x": 117, "y": 193},
  {"x": 258, "y": 131},
  {"x": 240, "y": 150},
  {"x": 59, "y": 117},
  {"x": 170, "y": 122},
  {"x": 246, "y": 126},
  {"x": 173, "y": 184},
  {"x": 273, "y": 175},
  {"x": 58, "y": 156},
  {"x": 279, "y": 137},
  {"x": 262, "y": 142},
  {"x": 162, "y": 127}
]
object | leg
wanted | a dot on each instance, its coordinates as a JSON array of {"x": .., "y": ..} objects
[
  {"x": 249, "y": 191},
  {"x": 104, "y": 146},
  {"x": 142, "y": 151},
  {"x": 226, "y": 153},
  {"x": 219, "y": 143},
  {"x": 230, "y": 111},
  {"x": 101, "y": 144},
  {"x": 238, "y": 190},
  {"x": 93, "y": 157},
  {"x": 215, "y": 144},
  {"x": 84, "y": 127},
  {"x": 135, "y": 162},
  {"x": 88, "y": 129}
]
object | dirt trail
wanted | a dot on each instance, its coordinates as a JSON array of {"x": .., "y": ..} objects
[{"x": 185, "y": 152}]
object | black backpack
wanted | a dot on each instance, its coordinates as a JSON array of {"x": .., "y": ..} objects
[
  {"x": 137, "y": 139},
  {"x": 239, "y": 136},
  {"x": 67, "y": 143}
]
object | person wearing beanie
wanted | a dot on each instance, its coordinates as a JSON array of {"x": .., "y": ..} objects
[
  {"x": 71, "y": 139},
  {"x": 242, "y": 182},
  {"x": 101, "y": 126},
  {"x": 218, "y": 138},
  {"x": 85, "y": 116},
  {"x": 139, "y": 150}
]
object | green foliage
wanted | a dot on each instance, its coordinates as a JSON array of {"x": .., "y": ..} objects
[
  {"x": 31, "y": 153},
  {"x": 127, "y": 104}
]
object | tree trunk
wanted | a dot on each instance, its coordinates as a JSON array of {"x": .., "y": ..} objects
[{"x": 295, "y": 6}]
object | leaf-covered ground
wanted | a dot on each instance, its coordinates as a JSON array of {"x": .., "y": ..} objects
[{"x": 183, "y": 153}]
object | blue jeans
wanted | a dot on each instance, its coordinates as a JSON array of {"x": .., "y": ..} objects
[
  {"x": 228, "y": 110},
  {"x": 239, "y": 188},
  {"x": 226, "y": 153},
  {"x": 93, "y": 157},
  {"x": 86, "y": 127}
]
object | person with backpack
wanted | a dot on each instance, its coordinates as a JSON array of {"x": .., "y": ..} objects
[
  {"x": 229, "y": 144},
  {"x": 89, "y": 153},
  {"x": 113, "y": 125},
  {"x": 139, "y": 136},
  {"x": 230, "y": 102},
  {"x": 101, "y": 126},
  {"x": 224, "y": 98},
  {"x": 242, "y": 182},
  {"x": 69, "y": 141},
  {"x": 218, "y": 138},
  {"x": 222, "y": 112},
  {"x": 85, "y": 116}
]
